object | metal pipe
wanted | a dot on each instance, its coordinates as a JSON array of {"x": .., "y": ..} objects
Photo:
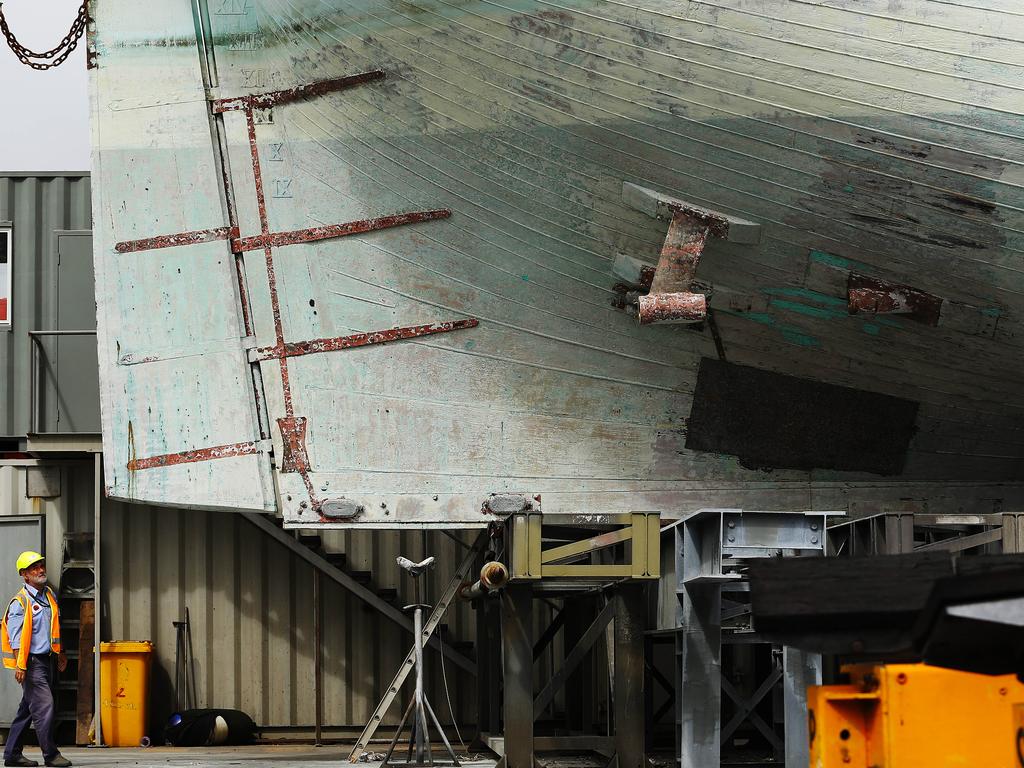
[
  {"x": 419, "y": 716},
  {"x": 656, "y": 308},
  {"x": 33, "y": 406},
  {"x": 33, "y": 334},
  {"x": 493, "y": 576}
]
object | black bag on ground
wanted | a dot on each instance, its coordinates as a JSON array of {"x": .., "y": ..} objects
[{"x": 209, "y": 727}]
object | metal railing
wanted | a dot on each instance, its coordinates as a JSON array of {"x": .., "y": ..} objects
[{"x": 35, "y": 374}]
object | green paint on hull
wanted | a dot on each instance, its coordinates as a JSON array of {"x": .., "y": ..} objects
[
  {"x": 819, "y": 313},
  {"x": 832, "y": 260},
  {"x": 805, "y": 293},
  {"x": 789, "y": 333}
]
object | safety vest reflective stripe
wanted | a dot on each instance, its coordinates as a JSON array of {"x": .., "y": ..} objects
[
  {"x": 13, "y": 659},
  {"x": 54, "y": 621}
]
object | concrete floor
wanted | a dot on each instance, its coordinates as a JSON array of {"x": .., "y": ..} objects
[{"x": 252, "y": 757}]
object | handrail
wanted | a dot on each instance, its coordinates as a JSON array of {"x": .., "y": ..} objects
[
  {"x": 36, "y": 337},
  {"x": 62, "y": 333}
]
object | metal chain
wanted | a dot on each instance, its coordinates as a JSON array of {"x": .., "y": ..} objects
[{"x": 56, "y": 55}]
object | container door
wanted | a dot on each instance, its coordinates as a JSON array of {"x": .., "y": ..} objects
[
  {"x": 77, "y": 378},
  {"x": 17, "y": 533}
]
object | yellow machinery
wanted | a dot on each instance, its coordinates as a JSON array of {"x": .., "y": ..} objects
[{"x": 914, "y": 715}]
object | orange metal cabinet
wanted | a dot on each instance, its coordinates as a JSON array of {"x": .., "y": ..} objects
[{"x": 913, "y": 715}]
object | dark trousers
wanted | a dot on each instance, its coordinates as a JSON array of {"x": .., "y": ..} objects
[{"x": 36, "y": 708}]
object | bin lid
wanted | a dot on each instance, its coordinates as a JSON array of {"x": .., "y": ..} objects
[{"x": 127, "y": 646}]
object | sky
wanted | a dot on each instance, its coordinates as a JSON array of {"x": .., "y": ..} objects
[{"x": 44, "y": 117}]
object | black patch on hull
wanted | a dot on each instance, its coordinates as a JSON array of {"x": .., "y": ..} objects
[{"x": 774, "y": 421}]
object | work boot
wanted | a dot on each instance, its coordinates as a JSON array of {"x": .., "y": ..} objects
[
  {"x": 21, "y": 761},
  {"x": 59, "y": 762}
]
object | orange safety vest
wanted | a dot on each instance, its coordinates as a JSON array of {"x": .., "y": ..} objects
[{"x": 19, "y": 659}]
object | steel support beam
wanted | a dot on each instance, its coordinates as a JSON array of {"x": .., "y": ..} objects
[
  {"x": 960, "y": 543},
  {"x": 699, "y": 653},
  {"x": 573, "y": 659},
  {"x": 548, "y": 636},
  {"x": 529, "y": 559},
  {"x": 579, "y": 709},
  {"x": 630, "y": 623},
  {"x": 799, "y": 670},
  {"x": 1013, "y": 532},
  {"x": 899, "y": 532},
  {"x": 746, "y": 710},
  {"x": 517, "y": 642}
]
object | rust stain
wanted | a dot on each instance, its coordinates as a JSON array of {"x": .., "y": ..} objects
[
  {"x": 293, "y": 435},
  {"x": 328, "y": 231},
  {"x": 718, "y": 226},
  {"x": 297, "y": 93},
  {"x": 91, "y": 54},
  {"x": 647, "y": 277},
  {"x": 680, "y": 254},
  {"x": 188, "y": 457},
  {"x": 869, "y": 295},
  {"x": 671, "y": 299},
  {"x": 672, "y": 308},
  {"x": 315, "y": 346},
  {"x": 296, "y": 458},
  {"x": 132, "y": 455},
  {"x": 179, "y": 238},
  {"x": 268, "y": 255}
]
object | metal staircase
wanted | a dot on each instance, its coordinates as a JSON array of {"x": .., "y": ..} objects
[{"x": 309, "y": 546}]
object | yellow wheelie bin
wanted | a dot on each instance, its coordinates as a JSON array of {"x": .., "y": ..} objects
[{"x": 124, "y": 691}]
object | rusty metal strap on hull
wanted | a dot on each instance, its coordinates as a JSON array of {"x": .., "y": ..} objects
[
  {"x": 199, "y": 454},
  {"x": 315, "y": 346},
  {"x": 293, "y": 437},
  {"x": 180, "y": 238},
  {"x": 869, "y": 295},
  {"x": 299, "y": 92},
  {"x": 328, "y": 231}
]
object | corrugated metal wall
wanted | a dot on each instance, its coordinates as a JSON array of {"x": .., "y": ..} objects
[
  {"x": 251, "y": 607},
  {"x": 36, "y": 207}
]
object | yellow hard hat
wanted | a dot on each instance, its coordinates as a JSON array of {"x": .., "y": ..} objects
[{"x": 28, "y": 559}]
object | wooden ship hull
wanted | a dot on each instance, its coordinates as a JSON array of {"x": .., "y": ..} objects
[{"x": 367, "y": 262}]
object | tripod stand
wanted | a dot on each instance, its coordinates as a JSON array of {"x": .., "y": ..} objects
[{"x": 419, "y": 737}]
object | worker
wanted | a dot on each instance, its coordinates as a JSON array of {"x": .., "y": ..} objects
[{"x": 30, "y": 637}]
